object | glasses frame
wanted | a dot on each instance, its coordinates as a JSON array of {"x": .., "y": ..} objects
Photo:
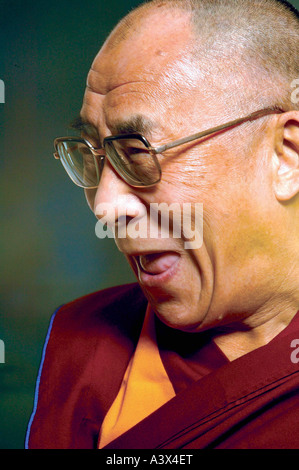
[{"x": 100, "y": 152}]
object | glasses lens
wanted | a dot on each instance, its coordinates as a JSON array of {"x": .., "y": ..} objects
[
  {"x": 133, "y": 161},
  {"x": 79, "y": 163}
]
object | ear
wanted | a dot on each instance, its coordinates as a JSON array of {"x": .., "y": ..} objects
[{"x": 286, "y": 157}]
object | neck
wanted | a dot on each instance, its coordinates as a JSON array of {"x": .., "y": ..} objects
[{"x": 259, "y": 329}]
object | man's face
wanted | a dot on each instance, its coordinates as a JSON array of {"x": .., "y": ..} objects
[{"x": 149, "y": 75}]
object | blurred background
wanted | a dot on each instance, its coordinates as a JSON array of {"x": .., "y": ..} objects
[{"x": 49, "y": 252}]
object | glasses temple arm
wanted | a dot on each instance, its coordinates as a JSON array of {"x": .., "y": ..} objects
[{"x": 235, "y": 122}]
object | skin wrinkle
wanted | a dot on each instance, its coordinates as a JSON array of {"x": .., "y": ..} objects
[
  {"x": 167, "y": 77},
  {"x": 231, "y": 279},
  {"x": 250, "y": 52},
  {"x": 115, "y": 87}
]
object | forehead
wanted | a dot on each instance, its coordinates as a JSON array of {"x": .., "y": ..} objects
[
  {"x": 151, "y": 44},
  {"x": 140, "y": 72}
]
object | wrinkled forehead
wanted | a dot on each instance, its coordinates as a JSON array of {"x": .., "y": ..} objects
[
  {"x": 148, "y": 70},
  {"x": 145, "y": 48}
]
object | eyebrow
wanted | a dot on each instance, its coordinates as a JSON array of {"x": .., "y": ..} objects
[
  {"x": 81, "y": 125},
  {"x": 137, "y": 123}
]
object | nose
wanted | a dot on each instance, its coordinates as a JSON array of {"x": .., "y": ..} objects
[{"x": 115, "y": 201}]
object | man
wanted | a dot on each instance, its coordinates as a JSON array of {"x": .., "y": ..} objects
[{"x": 201, "y": 352}]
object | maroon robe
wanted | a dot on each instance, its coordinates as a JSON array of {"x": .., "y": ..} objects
[{"x": 249, "y": 403}]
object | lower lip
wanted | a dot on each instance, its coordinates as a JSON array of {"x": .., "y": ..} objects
[{"x": 156, "y": 280}]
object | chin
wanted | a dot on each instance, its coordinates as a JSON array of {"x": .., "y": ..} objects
[
  {"x": 177, "y": 315},
  {"x": 180, "y": 300}
]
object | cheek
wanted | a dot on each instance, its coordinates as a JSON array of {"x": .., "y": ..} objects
[
  {"x": 184, "y": 182},
  {"x": 196, "y": 171},
  {"x": 192, "y": 184},
  {"x": 221, "y": 189}
]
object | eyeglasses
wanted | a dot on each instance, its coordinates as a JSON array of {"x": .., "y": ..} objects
[{"x": 131, "y": 155}]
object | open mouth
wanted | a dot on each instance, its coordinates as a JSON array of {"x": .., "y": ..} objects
[
  {"x": 156, "y": 267},
  {"x": 157, "y": 263}
]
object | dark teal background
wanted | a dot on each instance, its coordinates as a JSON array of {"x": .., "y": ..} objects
[{"x": 49, "y": 252}]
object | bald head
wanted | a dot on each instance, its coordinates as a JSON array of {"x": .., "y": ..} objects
[{"x": 247, "y": 50}]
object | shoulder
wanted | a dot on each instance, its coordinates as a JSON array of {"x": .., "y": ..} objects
[
  {"x": 111, "y": 299},
  {"x": 121, "y": 306},
  {"x": 88, "y": 345}
]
